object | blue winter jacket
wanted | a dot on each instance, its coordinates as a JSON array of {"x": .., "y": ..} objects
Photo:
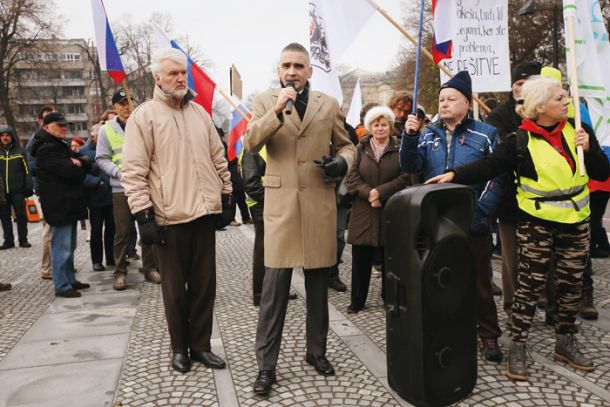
[
  {"x": 97, "y": 195},
  {"x": 472, "y": 140}
]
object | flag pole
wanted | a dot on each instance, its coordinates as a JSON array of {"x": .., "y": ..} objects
[
  {"x": 425, "y": 51},
  {"x": 124, "y": 83},
  {"x": 574, "y": 88},
  {"x": 230, "y": 100},
  {"x": 418, "y": 57}
]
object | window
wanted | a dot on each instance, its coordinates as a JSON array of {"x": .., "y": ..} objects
[
  {"x": 73, "y": 74},
  {"x": 79, "y": 126},
  {"x": 70, "y": 56},
  {"x": 75, "y": 109}
]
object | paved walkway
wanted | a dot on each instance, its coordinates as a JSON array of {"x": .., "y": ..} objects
[{"x": 111, "y": 348}]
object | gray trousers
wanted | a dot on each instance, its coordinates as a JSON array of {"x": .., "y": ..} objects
[{"x": 272, "y": 313}]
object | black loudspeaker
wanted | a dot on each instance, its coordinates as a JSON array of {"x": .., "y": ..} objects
[{"x": 430, "y": 295}]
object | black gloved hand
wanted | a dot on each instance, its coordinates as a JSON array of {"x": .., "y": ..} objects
[
  {"x": 228, "y": 211},
  {"x": 150, "y": 232},
  {"x": 334, "y": 168}
]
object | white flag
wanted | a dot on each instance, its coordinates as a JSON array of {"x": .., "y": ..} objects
[
  {"x": 592, "y": 62},
  {"x": 333, "y": 25},
  {"x": 353, "y": 116}
]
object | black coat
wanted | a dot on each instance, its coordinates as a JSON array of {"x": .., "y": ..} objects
[
  {"x": 253, "y": 169},
  {"x": 60, "y": 182}
]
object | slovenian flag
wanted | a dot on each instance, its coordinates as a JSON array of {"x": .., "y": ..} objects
[
  {"x": 237, "y": 129},
  {"x": 444, "y": 15},
  {"x": 107, "y": 51},
  {"x": 199, "y": 82}
]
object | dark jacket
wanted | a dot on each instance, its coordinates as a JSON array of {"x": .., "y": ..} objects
[
  {"x": 504, "y": 159},
  {"x": 471, "y": 141},
  {"x": 506, "y": 120},
  {"x": 97, "y": 182},
  {"x": 13, "y": 167},
  {"x": 366, "y": 174},
  {"x": 253, "y": 169},
  {"x": 60, "y": 182}
]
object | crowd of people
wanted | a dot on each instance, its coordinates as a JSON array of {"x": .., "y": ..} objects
[{"x": 305, "y": 178}]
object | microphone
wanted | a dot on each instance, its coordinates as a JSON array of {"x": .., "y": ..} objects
[{"x": 289, "y": 103}]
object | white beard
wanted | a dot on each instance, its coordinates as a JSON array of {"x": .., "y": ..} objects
[{"x": 178, "y": 94}]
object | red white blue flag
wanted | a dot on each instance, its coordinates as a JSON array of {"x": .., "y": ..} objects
[
  {"x": 199, "y": 82},
  {"x": 237, "y": 129},
  {"x": 107, "y": 51},
  {"x": 445, "y": 23}
]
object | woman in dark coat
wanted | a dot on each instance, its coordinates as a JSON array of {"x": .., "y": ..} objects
[
  {"x": 372, "y": 180},
  {"x": 553, "y": 218}
]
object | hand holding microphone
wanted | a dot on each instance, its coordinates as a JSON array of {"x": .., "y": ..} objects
[{"x": 286, "y": 98}]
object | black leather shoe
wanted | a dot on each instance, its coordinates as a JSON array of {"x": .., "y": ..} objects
[
  {"x": 264, "y": 381},
  {"x": 99, "y": 267},
  {"x": 321, "y": 364},
  {"x": 353, "y": 309},
  {"x": 25, "y": 244},
  {"x": 337, "y": 285},
  {"x": 7, "y": 245},
  {"x": 181, "y": 362},
  {"x": 69, "y": 293},
  {"x": 80, "y": 286},
  {"x": 209, "y": 359},
  {"x": 292, "y": 295}
]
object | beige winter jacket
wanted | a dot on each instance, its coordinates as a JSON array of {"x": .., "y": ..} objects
[{"x": 173, "y": 159}]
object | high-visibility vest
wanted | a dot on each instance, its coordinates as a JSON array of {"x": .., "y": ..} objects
[
  {"x": 116, "y": 140},
  {"x": 263, "y": 153},
  {"x": 559, "y": 194}
]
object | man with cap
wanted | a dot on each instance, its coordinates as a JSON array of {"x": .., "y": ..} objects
[
  {"x": 506, "y": 120},
  {"x": 456, "y": 139},
  {"x": 109, "y": 158},
  {"x": 60, "y": 174}
]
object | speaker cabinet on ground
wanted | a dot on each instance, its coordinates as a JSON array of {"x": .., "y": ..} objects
[{"x": 430, "y": 294}]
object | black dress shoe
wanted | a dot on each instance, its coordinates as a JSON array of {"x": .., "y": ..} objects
[
  {"x": 353, "y": 309},
  {"x": 7, "y": 245},
  {"x": 181, "y": 362},
  {"x": 321, "y": 364},
  {"x": 80, "y": 286},
  {"x": 337, "y": 285},
  {"x": 99, "y": 267},
  {"x": 25, "y": 244},
  {"x": 209, "y": 359},
  {"x": 292, "y": 295},
  {"x": 264, "y": 381}
]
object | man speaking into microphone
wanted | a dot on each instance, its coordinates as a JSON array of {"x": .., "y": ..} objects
[{"x": 300, "y": 206}]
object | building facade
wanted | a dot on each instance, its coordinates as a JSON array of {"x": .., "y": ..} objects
[{"x": 63, "y": 76}]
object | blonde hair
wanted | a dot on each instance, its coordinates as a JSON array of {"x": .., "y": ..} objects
[
  {"x": 535, "y": 93},
  {"x": 378, "y": 112}
]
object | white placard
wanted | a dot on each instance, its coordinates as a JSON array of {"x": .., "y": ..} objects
[{"x": 480, "y": 45}]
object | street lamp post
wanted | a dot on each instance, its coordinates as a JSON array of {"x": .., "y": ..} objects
[{"x": 530, "y": 8}]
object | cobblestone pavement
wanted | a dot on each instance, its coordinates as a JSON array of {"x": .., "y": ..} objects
[{"x": 146, "y": 378}]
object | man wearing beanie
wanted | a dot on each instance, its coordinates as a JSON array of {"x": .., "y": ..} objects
[
  {"x": 456, "y": 140},
  {"x": 506, "y": 120}
]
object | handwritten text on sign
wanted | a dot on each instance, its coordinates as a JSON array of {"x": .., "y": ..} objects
[{"x": 481, "y": 44}]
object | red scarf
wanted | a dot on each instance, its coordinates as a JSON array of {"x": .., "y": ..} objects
[{"x": 554, "y": 137}]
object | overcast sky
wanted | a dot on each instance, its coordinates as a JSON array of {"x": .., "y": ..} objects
[{"x": 247, "y": 33}]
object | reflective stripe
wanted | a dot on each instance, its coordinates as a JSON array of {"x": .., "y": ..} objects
[
  {"x": 557, "y": 192},
  {"x": 584, "y": 201}
]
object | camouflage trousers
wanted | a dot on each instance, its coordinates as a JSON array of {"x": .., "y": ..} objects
[{"x": 538, "y": 243}]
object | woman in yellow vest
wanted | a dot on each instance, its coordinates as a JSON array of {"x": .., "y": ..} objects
[{"x": 553, "y": 202}]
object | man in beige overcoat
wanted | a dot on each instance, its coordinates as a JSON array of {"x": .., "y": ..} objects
[{"x": 300, "y": 205}]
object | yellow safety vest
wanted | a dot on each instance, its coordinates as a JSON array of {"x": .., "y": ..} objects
[
  {"x": 559, "y": 195},
  {"x": 263, "y": 153},
  {"x": 116, "y": 140}
]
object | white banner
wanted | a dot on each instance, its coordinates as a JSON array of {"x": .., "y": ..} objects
[
  {"x": 333, "y": 25},
  {"x": 353, "y": 116},
  {"x": 592, "y": 62},
  {"x": 480, "y": 45}
]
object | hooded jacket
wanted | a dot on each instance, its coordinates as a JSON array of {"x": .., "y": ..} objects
[
  {"x": 60, "y": 182},
  {"x": 13, "y": 167}
]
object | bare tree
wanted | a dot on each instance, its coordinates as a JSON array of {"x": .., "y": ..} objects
[{"x": 22, "y": 24}]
